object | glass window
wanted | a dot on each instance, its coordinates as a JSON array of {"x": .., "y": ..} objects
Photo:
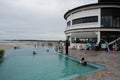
[
  {"x": 102, "y": 21},
  {"x": 114, "y": 22},
  {"x": 85, "y": 20},
  {"x": 118, "y": 21},
  {"x": 68, "y": 23},
  {"x": 110, "y": 21}
]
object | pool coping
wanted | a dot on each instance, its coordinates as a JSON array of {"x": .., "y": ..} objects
[{"x": 91, "y": 64}]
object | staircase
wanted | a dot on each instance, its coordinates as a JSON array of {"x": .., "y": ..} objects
[
  {"x": 118, "y": 44},
  {"x": 115, "y": 41}
]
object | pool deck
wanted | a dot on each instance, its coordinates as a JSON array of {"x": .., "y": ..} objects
[{"x": 111, "y": 61}]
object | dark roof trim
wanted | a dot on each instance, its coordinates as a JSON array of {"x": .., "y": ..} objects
[
  {"x": 106, "y": 1},
  {"x": 95, "y": 4}
]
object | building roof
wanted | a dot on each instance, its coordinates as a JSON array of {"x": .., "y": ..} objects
[
  {"x": 106, "y": 1},
  {"x": 99, "y": 2}
]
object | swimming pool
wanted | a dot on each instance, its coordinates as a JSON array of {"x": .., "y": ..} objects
[{"x": 21, "y": 64}]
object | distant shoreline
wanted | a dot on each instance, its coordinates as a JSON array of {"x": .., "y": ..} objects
[{"x": 6, "y": 45}]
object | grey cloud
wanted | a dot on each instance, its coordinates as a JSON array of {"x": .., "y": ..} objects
[{"x": 33, "y": 17}]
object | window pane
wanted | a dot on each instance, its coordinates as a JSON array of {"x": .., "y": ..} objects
[
  {"x": 68, "y": 23},
  {"x": 110, "y": 21},
  {"x": 85, "y": 20}
]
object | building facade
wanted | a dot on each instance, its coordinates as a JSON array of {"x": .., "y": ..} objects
[{"x": 94, "y": 22}]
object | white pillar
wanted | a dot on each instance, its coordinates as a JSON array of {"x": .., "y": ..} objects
[
  {"x": 70, "y": 40},
  {"x": 98, "y": 37}
]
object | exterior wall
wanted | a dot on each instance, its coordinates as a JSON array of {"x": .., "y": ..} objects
[{"x": 85, "y": 13}]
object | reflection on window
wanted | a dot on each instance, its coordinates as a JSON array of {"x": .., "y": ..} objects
[
  {"x": 68, "y": 23},
  {"x": 84, "y": 40},
  {"x": 110, "y": 21},
  {"x": 85, "y": 20}
]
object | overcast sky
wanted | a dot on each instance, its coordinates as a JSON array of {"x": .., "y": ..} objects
[{"x": 34, "y": 19}]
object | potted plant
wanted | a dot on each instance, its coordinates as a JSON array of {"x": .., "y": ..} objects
[
  {"x": 2, "y": 53},
  {"x": 50, "y": 44}
]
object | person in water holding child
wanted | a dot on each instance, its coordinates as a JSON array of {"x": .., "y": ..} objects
[
  {"x": 87, "y": 47},
  {"x": 83, "y": 61},
  {"x": 114, "y": 47}
]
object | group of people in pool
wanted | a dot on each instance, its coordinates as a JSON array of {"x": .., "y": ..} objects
[
  {"x": 83, "y": 61},
  {"x": 36, "y": 53}
]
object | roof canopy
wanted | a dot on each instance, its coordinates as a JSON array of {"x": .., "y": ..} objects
[
  {"x": 84, "y": 35},
  {"x": 88, "y": 3}
]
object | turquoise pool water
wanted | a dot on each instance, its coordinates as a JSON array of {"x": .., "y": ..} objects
[{"x": 21, "y": 64}]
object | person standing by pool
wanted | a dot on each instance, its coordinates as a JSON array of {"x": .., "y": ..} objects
[
  {"x": 107, "y": 46},
  {"x": 34, "y": 53},
  {"x": 67, "y": 47},
  {"x": 87, "y": 47},
  {"x": 114, "y": 47}
]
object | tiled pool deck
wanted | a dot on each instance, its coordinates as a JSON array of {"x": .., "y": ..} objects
[{"x": 110, "y": 61}]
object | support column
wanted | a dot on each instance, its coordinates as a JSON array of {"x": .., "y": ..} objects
[
  {"x": 98, "y": 37},
  {"x": 70, "y": 39}
]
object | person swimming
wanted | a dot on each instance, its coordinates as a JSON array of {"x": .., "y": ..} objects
[
  {"x": 34, "y": 52},
  {"x": 47, "y": 50}
]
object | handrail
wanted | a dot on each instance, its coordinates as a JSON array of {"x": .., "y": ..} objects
[{"x": 114, "y": 41}]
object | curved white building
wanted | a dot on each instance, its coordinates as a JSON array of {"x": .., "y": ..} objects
[{"x": 94, "y": 21}]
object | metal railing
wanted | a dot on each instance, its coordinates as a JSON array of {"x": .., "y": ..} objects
[{"x": 114, "y": 41}]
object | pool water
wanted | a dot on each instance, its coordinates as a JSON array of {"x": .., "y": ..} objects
[{"x": 21, "y": 64}]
